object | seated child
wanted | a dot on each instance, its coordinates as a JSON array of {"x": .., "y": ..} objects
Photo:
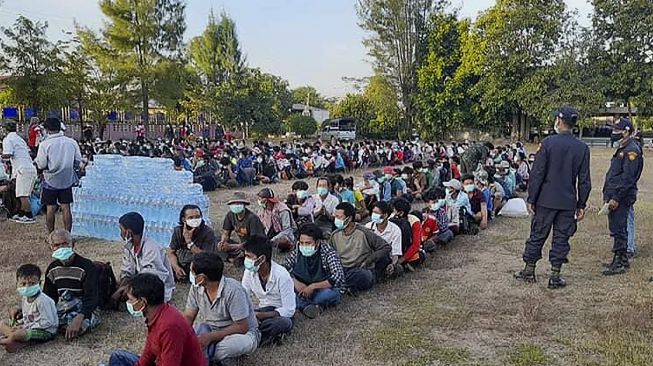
[{"x": 37, "y": 320}]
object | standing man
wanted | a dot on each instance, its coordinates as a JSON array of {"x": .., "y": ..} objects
[
  {"x": 56, "y": 158},
  {"x": 557, "y": 194},
  {"x": 34, "y": 136},
  {"x": 23, "y": 171},
  {"x": 620, "y": 191}
]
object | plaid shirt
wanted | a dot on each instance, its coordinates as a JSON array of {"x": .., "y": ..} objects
[
  {"x": 330, "y": 263},
  {"x": 441, "y": 217}
]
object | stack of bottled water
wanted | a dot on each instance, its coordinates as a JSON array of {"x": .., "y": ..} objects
[{"x": 115, "y": 185}]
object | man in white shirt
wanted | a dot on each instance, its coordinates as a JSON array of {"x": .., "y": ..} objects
[
  {"x": 389, "y": 231},
  {"x": 57, "y": 157},
  {"x": 325, "y": 207},
  {"x": 15, "y": 149},
  {"x": 273, "y": 288}
]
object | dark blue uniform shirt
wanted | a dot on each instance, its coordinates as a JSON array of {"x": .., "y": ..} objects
[
  {"x": 625, "y": 169},
  {"x": 560, "y": 177}
]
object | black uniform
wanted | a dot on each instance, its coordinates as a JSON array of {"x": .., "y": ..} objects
[
  {"x": 559, "y": 185},
  {"x": 621, "y": 185}
]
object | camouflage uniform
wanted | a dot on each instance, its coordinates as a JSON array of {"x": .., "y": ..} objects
[{"x": 471, "y": 157}]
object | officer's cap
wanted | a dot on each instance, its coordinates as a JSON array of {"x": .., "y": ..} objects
[
  {"x": 568, "y": 114},
  {"x": 623, "y": 124}
]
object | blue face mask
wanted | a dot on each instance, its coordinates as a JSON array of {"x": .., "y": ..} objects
[
  {"x": 237, "y": 209},
  {"x": 470, "y": 188},
  {"x": 322, "y": 191},
  {"x": 307, "y": 250},
  {"x": 377, "y": 218},
  {"x": 302, "y": 194},
  {"x": 29, "y": 291},
  {"x": 63, "y": 254},
  {"x": 137, "y": 314},
  {"x": 339, "y": 223},
  {"x": 250, "y": 265}
]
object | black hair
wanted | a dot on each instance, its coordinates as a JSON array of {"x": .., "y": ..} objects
[
  {"x": 133, "y": 221},
  {"x": 52, "y": 124},
  {"x": 312, "y": 230},
  {"x": 147, "y": 286},
  {"x": 467, "y": 176},
  {"x": 349, "y": 183},
  {"x": 28, "y": 270},
  {"x": 401, "y": 205},
  {"x": 439, "y": 193},
  {"x": 408, "y": 170},
  {"x": 456, "y": 159},
  {"x": 10, "y": 125},
  {"x": 299, "y": 185},
  {"x": 259, "y": 245},
  {"x": 208, "y": 264},
  {"x": 383, "y": 206},
  {"x": 182, "y": 213},
  {"x": 225, "y": 161},
  {"x": 347, "y": 208},
  {"x": 418, "y": 165},
  {"x": 317, "y": 183}
]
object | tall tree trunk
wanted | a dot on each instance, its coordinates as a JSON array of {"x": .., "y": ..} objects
[{"x": 145, "y": 118}]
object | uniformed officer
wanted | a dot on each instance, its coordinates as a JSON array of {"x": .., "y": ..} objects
[
  {"x": 474, "y": 155},
  {"x": 620, "y": 191},
  {"x": 558, "y": 190}
]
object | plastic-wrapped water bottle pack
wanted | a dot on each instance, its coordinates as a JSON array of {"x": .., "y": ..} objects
[{"x": 115, "y": 185}]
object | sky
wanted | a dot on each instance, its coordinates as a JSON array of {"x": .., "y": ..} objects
[{"x": 307, "y": 42}]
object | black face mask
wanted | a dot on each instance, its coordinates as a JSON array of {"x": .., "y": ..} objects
[{"x": 616, "y": 136}]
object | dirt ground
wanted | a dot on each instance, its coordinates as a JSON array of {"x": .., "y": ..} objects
[{"x": 462, "y": 308}]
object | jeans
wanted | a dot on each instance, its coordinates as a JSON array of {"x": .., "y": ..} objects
[
  {"x": 230, "y": 346},
  {"x": 359, "y": 279},
  {"x": 324, "y": 297},
  {"x": 123, "y": 358},
  {"x": 271, "y": 328},
  {"x": 632, "y": 246}
]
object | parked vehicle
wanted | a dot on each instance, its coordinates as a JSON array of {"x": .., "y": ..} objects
[{"x": 338, "y": 129}]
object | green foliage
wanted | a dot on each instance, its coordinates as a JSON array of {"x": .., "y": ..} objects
[
  {"x": 34, "y": 63},
  {"x": 301, "y": 125},
  {"x": 358, "y": 107},
  {"x": 308, "y": 94},
  {"x": 528, "y": 355}
]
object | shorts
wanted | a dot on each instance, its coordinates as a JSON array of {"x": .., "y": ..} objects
[
  {"x": 38, "y": 335},
  {"x": 52, "y": 197},
  {"x": 25, "y": 178}
]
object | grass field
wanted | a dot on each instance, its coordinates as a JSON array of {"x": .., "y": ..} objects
[{"x": 462, "y": 308}]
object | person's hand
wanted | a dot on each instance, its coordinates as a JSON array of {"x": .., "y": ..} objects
[
  {"x": 390, "y": 269},
  {"x": 307, "y": 291},
  {"x": 179, "y": 272},
  {"x": 15, "y": 314},
  {"x": 188, "y": 234},
  {"x": 580, "y": 214},
  {"x": 72, "y": 331},
  {"x": 204, "y": 339},
  {"x": 531, "y": 209},
  {"x": 223, "y": 246},
  {"x": 613, "y": 205}
]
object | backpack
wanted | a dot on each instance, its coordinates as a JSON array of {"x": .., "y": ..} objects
[
  {"x": 107, "y": 285},
  {"x": 467, "y": 224}
]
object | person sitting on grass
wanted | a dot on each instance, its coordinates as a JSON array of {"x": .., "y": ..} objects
[
  {"x": 141, "y": 255},
  {"x": 277, "y": 219},
  {"x": 244, "y": 223},
  {"x": 316, "y": 271},
  {"x": 364, "y": 255},
  {"x": 72, "y": 282},
  {"x": 436, "y": 227},
  {"x": 36, "y": 321},
  {"x": 230, "y": 328},
  {"x": 411, "y": 235},
  {"x": 170, "y": 339},
  {"x": 272, "y": 287},
  {"x": 325, "y": 206},
  {"x": 192, "y": 236},
  {"x": 390, "y": 232},
  {"x": 477, "y": 201},
  {"x": 301, "y": 203}
]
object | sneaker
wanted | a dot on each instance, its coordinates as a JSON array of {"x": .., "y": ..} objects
[
  {"x": 25, "y": 220},
  {"x": 15, "y": 218},
  {"x": 311, "y": 311}
]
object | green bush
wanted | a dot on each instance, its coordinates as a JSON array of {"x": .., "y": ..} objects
[{"x": 301, "y": 125}]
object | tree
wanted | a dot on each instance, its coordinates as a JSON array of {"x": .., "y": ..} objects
[
  {"x": 383, "y": 102},
  {"x": 444, "y": 101},
  {"x": 301, "y": 125},
  {"x": 141, "y": 39},
  {"x": 34, "y": 64},
  {"x": 623, "y": 32},
  {"x": 308, "y": 95},
  {"x": 358, "y": 107},
  {"x": 397, "y": 41}
]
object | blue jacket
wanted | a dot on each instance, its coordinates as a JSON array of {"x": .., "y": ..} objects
[
  {"x": 625, "y": 170},
  {"x": 560, "y": 178}
]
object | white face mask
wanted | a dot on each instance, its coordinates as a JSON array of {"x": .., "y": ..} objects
[{"x": 194, "y": 222}]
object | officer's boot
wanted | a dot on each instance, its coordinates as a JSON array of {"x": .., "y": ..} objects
[
  {"x": 618, "y": 266},
  {"x": 527, "y": 274},
  {"x": 555, "y": 281}
]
